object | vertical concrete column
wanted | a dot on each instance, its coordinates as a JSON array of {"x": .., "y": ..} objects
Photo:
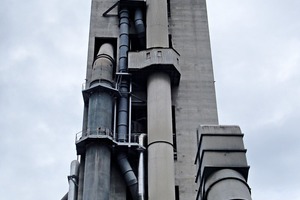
[
  {"x": 161, "y": 184},
  {"x": 157, "y": 24}
]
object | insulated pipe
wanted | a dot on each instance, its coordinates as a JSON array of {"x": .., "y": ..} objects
[
  {"x": 96, "y": 183},
  {"x": 128, "y": 174},
  {"x": 140, "y": 27},
  {"x": 226, "y": 184},
  {"x": 73, "y": 180},
  {"x": 122, "y": 124}
]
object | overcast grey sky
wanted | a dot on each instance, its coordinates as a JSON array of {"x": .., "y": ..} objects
[{"x": 43, "y": 53}]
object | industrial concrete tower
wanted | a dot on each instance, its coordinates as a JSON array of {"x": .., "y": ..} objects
[{"x": 150, "y": 125}]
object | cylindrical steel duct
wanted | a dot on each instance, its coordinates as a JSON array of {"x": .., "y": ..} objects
[
  {"x": 122, "y": 124},
  {"x": 73, "y": 180},
  {"x": 123, "y": 106},
  {"x": 128, "y": 174},
  {"x": 140, "y": 27},
  {"x": 100, "y": 119},
  {"x": 227, "y": 184}
]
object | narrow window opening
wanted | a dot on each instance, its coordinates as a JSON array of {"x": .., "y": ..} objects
[
  {"x": 176, "y": 192},
  {"x": 170, "y": 41},
  {"x": 169, "y": 8}
]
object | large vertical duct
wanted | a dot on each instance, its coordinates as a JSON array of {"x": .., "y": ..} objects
[
  {"x": 161, "y": 183},
  {"x": 122, "y": 124},
  {"x": 123, "y": 107},
  {"x": 100, "y": 117}
]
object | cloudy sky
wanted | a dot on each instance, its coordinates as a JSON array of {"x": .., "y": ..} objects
[{"x": 43, "y": 44}]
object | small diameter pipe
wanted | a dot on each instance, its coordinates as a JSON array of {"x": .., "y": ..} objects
[{"x": 141, "y": 168}]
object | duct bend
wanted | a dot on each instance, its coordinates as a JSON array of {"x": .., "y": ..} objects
[
  {"x": 129, "y": 176},
  {"x": 73, "y": 180},
  {"x": 140, "y": 27},
  {"x": 103, "y": 66},
  {"x": 227, "y": 184}
]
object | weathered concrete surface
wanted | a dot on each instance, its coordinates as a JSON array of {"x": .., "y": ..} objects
[{"x": 194, "y": 99}]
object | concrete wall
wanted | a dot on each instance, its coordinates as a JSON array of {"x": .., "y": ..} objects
[{"x": 194, "y": 99}]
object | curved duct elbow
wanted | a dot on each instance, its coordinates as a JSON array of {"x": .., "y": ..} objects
[
  {"x": 103, "y": 66},
  {"x": 128, "y": 174},
  {"x": 140, "y": 27}
]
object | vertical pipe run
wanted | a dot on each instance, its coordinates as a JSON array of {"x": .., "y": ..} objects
[
  {"x": 123, "y": 108},
  {"x": 141, "y": 169},
  {"x": 96, "y": 183},
  {"x": 73, "y": 180},
  {"x": 122, "y": 125}
]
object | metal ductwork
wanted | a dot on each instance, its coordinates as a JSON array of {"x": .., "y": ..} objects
[
  {"x": 123, "y": 107},
  {"x": 128, "y": 174},
  {"x": 140, "y": 27}
]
